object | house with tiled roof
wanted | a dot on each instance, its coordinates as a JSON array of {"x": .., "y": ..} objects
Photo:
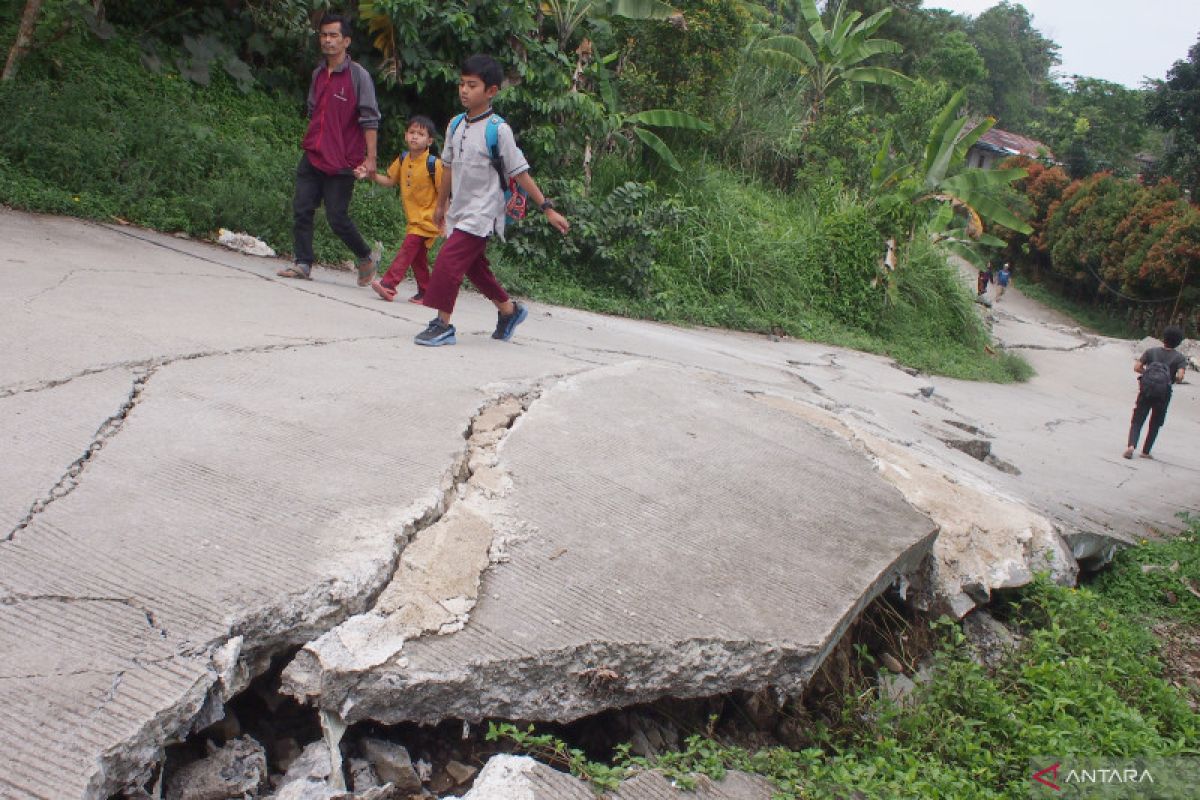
[{"x": 997, "y": 145}]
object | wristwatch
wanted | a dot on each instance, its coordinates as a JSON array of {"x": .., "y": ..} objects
[{"x": 546, "y": 204}]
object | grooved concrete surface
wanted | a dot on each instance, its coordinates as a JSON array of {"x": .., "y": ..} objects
[
  {"x": 202, "y": 465},
  {"x": 683, "y": 540}
]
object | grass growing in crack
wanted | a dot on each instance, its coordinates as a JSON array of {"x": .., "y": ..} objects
[
  {"x": 1088, "y": 680},
  {"x": 552, "y": 750}
]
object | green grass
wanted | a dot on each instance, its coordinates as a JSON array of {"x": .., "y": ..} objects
[
  {"x": 1096, "y": 320},
  {"x": 708, "y": 247},
  {"x": 1086, "y": 682},
  {"x": 741, "y": 254},
  {"x": 158, "y": 151},
  {"x": 1158, "y": 580}
]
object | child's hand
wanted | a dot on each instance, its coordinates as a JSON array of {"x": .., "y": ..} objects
[
  {"x": 360, "y": 172},
  {"x": 556, "y": 219}
]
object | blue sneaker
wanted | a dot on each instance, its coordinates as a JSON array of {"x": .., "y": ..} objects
[
  {"x": 436, "y": 334},
  {"x": 506, "y": 325}
]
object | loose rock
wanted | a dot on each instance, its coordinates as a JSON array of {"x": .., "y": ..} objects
[
  {"x": 392, "y": 764},
  {"x": 233, "y": 771}
]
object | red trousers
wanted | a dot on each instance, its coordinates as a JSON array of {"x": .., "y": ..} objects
[
  {"x": 414, "y": 252},
  {"x": 462, "y": 256}
]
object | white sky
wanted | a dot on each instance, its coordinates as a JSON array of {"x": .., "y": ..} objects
[{"x": 1116, "y": 40}]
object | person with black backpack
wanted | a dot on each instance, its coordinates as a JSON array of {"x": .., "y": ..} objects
[
  {"x": 1158, "y": 369},
  {"x": 418, "y": 173}
]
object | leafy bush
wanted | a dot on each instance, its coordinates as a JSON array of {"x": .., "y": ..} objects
[
  {"x": 613, "y": 243},
  {"x": 681, "y": 66},
  {"x": 1157, "y": 579},
  {"x": 159, "y": 151},
  {"x": 1115, "y": 242}
]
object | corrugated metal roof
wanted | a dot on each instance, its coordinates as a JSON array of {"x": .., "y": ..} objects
[{"x": 1013, "y": 144}]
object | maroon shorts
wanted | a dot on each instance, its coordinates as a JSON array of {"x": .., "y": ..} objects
[
  {"x": 462, "y": 256},
  {"x": 414, "y": 252}
]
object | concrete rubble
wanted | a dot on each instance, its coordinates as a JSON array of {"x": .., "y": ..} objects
[
  {"x": 206, "y": 468},
  {"x": 235, "y": 770}
]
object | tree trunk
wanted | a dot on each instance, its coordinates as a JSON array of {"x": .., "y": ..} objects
[{"x": 24, "y": 39}]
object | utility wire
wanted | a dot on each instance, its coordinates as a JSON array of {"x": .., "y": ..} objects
[{"x": 1124, "y": 296}]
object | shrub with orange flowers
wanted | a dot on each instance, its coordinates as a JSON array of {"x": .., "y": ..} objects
[{"x": 1112, "y": 242}]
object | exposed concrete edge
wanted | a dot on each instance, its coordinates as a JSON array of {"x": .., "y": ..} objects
[
  {"x": 986, "y": 540},
  {"x": 133, "y": 760},
  {"x": 231, "y": 662},
  {"x": 578, "y": 682},
  {"x": 409, "y": 606}
]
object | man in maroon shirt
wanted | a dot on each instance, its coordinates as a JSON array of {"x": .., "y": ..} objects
[{"x": 343, "y": 125}]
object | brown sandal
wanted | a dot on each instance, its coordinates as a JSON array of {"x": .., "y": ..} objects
[{"x": 293, "y": 272}]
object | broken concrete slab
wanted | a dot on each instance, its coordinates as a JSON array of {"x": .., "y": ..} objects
[
  {"x": 508, "y": 777},
  {"x": 734, "y": 786},
  {"x": 267, "y": 515},
  {"x": 986, "y": 541},
  {"x": 680, "y": 537}
]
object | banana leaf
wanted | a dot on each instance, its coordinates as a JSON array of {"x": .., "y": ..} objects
[
  {"x": 663, "y": 118},
  {"x": 658, "y": 146},
  {"x": 792, "y": 46},
  {"x": 638, "y": 9},
  {"x": 880, "y": 75}
]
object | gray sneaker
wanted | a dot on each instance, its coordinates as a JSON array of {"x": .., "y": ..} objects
[
  {"x": 436, "y": 334},
  {"x": 368, "y": 267}
]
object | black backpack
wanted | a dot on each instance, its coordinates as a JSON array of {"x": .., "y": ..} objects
[
  {"x": 430, "y": 165},
  {"x": 1156, "y": 381}
]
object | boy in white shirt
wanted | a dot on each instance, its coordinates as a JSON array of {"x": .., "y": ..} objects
[{"x": 474, "y": 208}]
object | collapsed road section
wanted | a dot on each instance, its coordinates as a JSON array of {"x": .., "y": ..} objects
[{"x": 665, "y": 535}]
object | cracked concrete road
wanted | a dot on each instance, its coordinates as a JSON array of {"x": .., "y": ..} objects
[{"x": 205, "y": 465}]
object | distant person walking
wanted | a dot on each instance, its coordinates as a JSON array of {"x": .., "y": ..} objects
[
  {"x": 418, "y": 173},
  {"x": 343, "y": 129},
  {"x": 1158, "y": 369},
  {"x": 1003, "y": 276},
  {"x": 981, "y": 284},
  {"x": 480, "y": 158}
]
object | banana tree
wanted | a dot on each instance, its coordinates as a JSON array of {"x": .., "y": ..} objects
[
  {"x": 640, "y": 122},
  {"x": 829, "y": 56},
  {"x": 958, "y": 203},
  {"x": 569, "y": 14},
  {"x": 634, "y": 125}
]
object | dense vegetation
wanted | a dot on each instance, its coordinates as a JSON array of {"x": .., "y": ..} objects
[
  {"x": 1109, "y": 242},
  {"x": 1088, "y": 680},
  {"x": 725, "y": 162}
]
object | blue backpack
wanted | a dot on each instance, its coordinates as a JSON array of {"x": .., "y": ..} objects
[{"x": 515, "y": 198}]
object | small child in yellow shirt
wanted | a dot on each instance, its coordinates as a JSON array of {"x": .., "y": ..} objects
[{"x": 418, "y": 173}]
